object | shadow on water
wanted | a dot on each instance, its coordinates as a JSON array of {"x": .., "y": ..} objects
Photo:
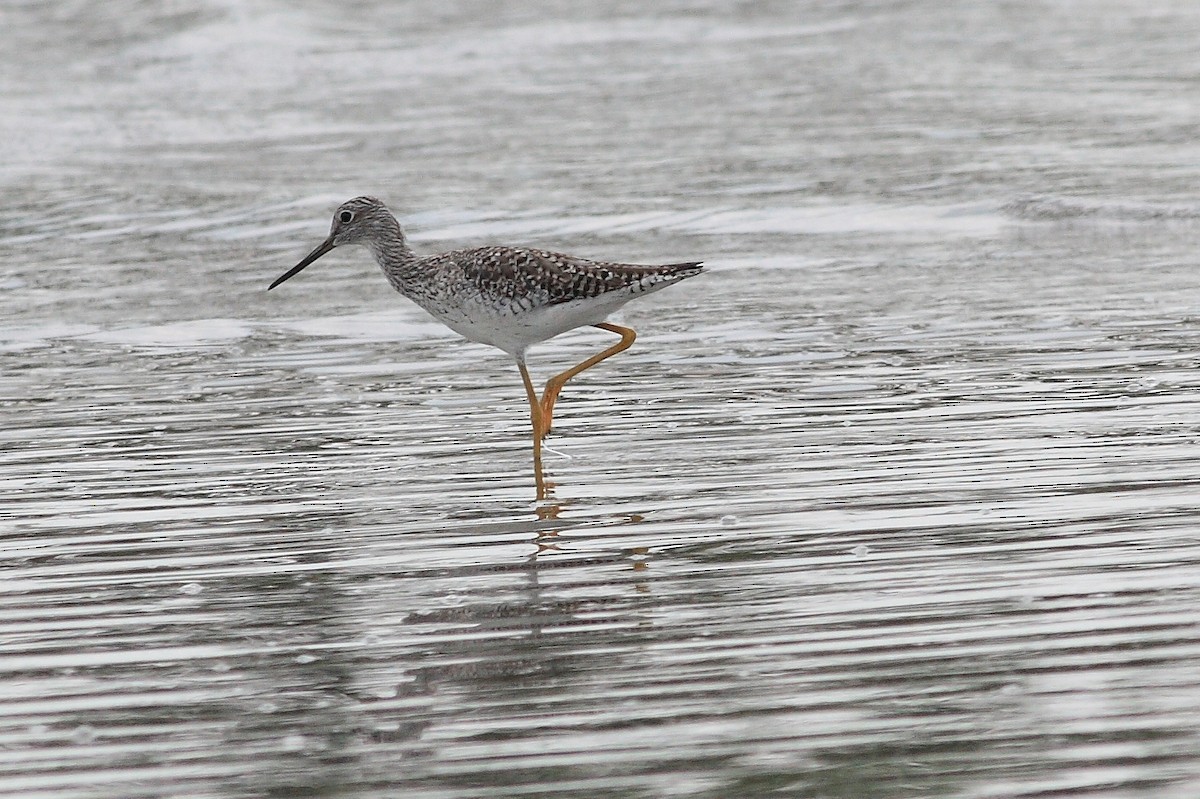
[{"x": 357, "y": 674}]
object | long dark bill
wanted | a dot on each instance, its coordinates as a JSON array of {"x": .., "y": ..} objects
[{"x": 321, "y": 249}]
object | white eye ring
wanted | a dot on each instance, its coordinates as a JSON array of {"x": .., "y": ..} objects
[{"x": 345, "y": 216}]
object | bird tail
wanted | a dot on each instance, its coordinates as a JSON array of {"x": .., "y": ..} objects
[{"x": 683, "y": 270}]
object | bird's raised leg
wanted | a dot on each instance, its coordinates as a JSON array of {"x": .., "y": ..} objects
[
  {"x": 555, "y": 384},
  {"x": 535, "y": 412}
]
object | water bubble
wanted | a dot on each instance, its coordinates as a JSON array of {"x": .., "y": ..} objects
[
  {"x": 293, "y": 743},
  {"x": 83, "y": 734}
]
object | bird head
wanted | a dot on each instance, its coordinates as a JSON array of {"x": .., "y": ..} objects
[{"x": 355, "y": 222}]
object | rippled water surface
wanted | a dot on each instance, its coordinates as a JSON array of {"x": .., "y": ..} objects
[{"x": 900, "y": 499}]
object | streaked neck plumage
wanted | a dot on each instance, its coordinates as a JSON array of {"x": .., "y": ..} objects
[{"x": 394, "y": 256}]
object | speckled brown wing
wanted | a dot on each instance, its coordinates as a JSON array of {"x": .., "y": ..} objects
[{"x": 551, "y": 278}]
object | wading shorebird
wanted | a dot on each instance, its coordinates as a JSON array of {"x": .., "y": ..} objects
[{"x": 508, "y": 297}]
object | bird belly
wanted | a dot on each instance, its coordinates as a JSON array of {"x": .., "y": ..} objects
[{"x": 515, "y": 329}]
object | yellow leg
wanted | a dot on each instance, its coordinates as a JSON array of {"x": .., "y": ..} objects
[
  {"x": 555, "y": 384},
  {"x": 535, "y": 412}
]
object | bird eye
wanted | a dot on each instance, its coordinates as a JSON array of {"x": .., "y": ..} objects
[{"x": 345, "y": 216}]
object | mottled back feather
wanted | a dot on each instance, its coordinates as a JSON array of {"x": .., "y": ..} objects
[{"x": 551, "y": 278}]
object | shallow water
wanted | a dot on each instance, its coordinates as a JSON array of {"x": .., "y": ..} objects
[{"x": 900, "y": 499}]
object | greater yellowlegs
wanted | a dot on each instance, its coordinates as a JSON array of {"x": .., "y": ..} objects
[{"x": 507, "y": 297}]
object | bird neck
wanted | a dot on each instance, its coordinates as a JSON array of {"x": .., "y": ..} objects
[{"x": 394, "y": 256}]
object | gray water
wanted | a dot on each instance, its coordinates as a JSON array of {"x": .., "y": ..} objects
[{"x": 900, "y": 499}]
